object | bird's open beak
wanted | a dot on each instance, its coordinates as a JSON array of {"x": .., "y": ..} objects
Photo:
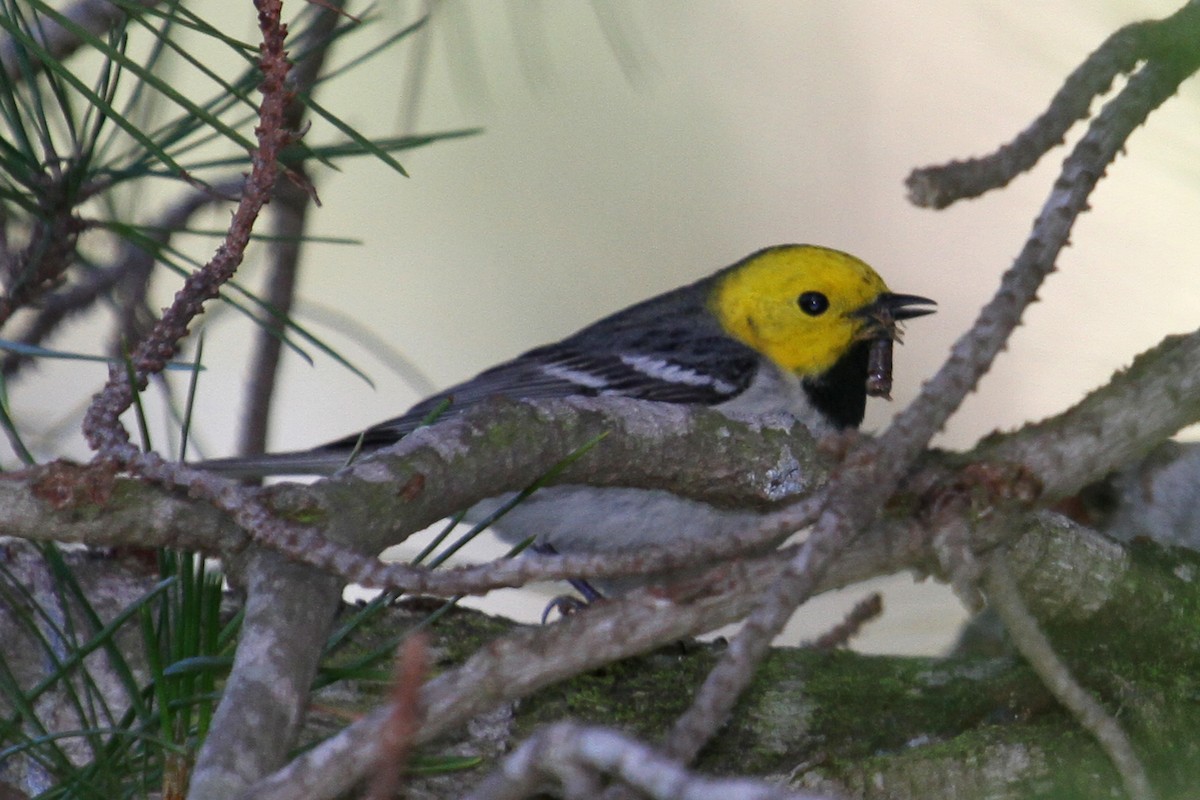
[
  {"x": 888, "y": 309},
  {"x": 898, "y": 305}
]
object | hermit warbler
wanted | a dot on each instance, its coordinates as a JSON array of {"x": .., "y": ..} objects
[{"x": 799, "y": 329}]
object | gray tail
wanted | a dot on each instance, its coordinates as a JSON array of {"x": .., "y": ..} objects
[{"x": 300, "y": 462}]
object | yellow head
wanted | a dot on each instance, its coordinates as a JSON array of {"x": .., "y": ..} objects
[{"x": 801, "y": 306}]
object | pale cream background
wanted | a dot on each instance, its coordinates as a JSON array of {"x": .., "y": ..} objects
[{"x": 608, "y": 174}]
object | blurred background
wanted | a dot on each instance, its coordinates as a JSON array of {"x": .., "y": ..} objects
[{"x": 628, "y": 148}]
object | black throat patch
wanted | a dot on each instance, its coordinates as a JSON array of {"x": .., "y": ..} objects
[{"x": 841, "y": 393}]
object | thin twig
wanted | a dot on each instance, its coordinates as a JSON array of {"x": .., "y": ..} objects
[
  {"x": 101, "y": 425},
  {"x": 940, "y": 186},
  {"x": 292, "y": 203},
  {"x": 865, "y": 610},
  {"x": 108, "y": 437},
  {"x": 1004, "y": 596},
  {"x": 873, "y": 470}
]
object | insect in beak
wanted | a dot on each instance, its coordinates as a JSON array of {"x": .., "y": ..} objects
[{"x": 881, "y": 330}]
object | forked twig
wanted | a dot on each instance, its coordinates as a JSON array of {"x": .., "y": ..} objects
[
  {"x": 940, "y": 186},
  {"x": 873, "y": 470}
]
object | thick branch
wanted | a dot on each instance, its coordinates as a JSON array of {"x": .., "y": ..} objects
[
  {"x": 1113, "y": 426},
  {"x": 692, "y": 452},
  {"x": 521, "y": 663},
  {"x": 289, "y": 610}
]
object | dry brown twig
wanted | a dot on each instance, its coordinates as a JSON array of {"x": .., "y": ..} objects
[
  {"x": 110, "y": 440},
  {"x": 865, "y": 610},
  {"x": 399, "y": 730},
  {"x": 102, "y": 425}
]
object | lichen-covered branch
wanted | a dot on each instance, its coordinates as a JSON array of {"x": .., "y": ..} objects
[
  {"x": 1095, "y": 582},
  {"x": 289, "y": 610},
  {"x": 693, "y": 452},
  {"x": 1119, "y": 423}
]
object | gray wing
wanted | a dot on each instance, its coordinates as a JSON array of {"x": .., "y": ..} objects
[
  {"x": 561, "y": 370},
  {"x": 624, "y": 355}
]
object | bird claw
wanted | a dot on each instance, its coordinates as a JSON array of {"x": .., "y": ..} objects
[{"x": 567, "y": 605}]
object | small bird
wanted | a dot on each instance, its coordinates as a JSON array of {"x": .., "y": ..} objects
[{"x": 798, "y": 329}]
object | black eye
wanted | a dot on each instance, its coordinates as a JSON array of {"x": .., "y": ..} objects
[{"x": 813, "y": 303}]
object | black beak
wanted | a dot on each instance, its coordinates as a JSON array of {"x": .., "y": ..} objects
[
  {"x": 888, "y": 309},
  {"x": 897, "y": 306}
]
